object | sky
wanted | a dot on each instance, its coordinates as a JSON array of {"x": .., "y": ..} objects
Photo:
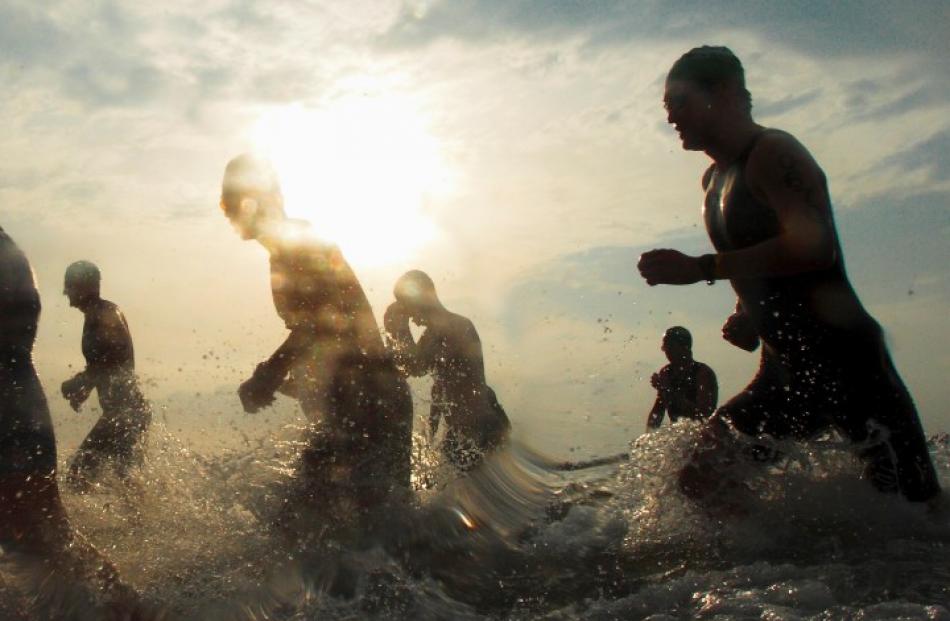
[{"x": 516, "y": 150}]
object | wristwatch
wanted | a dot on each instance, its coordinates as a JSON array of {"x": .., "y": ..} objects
[{"x": 707, "y": 266}]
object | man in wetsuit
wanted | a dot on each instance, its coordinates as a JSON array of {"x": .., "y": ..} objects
[
  {"x": 32, "y": 517},
  {"x": 333, "y": 361},
  {"x": 31, "y": 512},
  {"x": 768, "y": 213},
  {"x": 685, "y": 387},
  {"x": 451, "y": 352},
  {"x": 119, "y": 435}
]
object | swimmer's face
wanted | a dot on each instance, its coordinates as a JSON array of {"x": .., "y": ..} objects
[
  {"x": 674, "y": 349},
  {"x": 244, "y": 212},
  {"x": 414, "y": 311},
  {"x": 689, "y": 109},
  {"x": 76, "y": 294}
]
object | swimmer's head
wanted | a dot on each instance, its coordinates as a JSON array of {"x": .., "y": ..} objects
[
  {"x": 710, "y": 67},
  {"x": 705, "y": 97},
  {"x": 81, "y": 283},
  {"x": 677, "y": 343},
  {"x": 250, "y": 195},
  {"x": 416, "y": 291}
]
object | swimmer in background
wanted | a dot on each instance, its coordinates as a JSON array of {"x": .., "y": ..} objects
[
  {"x": 451, "y": 352},
  {"x": 685, "y": 387},
  {"x": 118, "y": 437}
]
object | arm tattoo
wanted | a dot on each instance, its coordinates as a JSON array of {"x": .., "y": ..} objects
[{"x": 793, "y": 181}]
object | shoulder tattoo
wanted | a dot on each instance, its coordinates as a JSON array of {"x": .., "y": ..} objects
[{"x": 794, "y": 181}]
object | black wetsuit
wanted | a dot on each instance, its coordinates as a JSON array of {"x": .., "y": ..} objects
[
  {"x": 345, "y": 378},
  {"x": 683, "y": 382},
  {"x": 119, "y": 434},
  {"x": 30, "y": 508},
  {"x": 824, "y": 361},
  {"x": 27, "y": 444},
  {"x": 475, "y": 422}
]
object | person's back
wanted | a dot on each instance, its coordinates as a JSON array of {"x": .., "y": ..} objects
[
  {"x": 468, "y": 405},
  {"x": 450, "y": 350},
  {"x": 346, "y": 380}
]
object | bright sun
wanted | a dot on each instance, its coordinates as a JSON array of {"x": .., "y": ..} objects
[{"x": 360, "y": 168}]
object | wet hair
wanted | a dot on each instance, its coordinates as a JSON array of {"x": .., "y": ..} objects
[
  {"x": 83, "y": 275},
  {"x": 415, "y": 288},
  {"x": 709, "y": 66},
  {"x": 679, "y": 334},
  {"x": 250, "y": 176}
]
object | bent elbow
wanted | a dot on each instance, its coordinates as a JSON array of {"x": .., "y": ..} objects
[{"x": 807, "y": 254}]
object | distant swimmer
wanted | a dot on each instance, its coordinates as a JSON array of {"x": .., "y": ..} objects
[
  {"x": 824, "y": 362},
  {"x": 118, "y": 438},
  {"x": 333, "y": 361},
  {"x": 451, "y": 352},
  {"x": 685, "y": 387}
]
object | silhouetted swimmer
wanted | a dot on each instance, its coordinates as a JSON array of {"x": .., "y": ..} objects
[
  {"x": 768, "y": 214},
  {"x": 32, "y": 518},
  {"x": 685, "y": 387},
  {"x": 451, "y": 352},
  {"x": 30, "y": 508},
  {"x": 118, "y": 437},
  {"x": 333, "y": 361}
]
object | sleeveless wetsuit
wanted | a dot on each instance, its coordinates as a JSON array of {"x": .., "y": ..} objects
[
  {"x": 451, "y": 351},
  {"x": 824, "y": 362},
  {"x": 27, "y": 444},
  {"x": 346, "y": 378},
  {"x": 119, "y": 434},
  {"x": 685, "y": 383}
]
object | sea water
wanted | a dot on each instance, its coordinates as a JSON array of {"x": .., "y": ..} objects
[{"x": 196, "y": 535}]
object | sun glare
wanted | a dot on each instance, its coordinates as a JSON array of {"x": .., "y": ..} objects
[{"x": 360, "y": 168}]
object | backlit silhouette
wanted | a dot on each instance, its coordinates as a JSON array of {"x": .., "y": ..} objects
[
  {"x": 117, "y": 438},
  {"x": 768, "y": 214}
]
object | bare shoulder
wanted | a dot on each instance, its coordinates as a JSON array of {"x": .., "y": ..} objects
[
  {"x": 780, "y": 164},
  {"x": 780, "y": 148},
  {"x": 706, "y": 369},
  {"x": 109, "y": 314}
]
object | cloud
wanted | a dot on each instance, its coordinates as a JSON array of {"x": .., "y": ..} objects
[
  {"x": 602, "y": 282},
  {"x": 788, "y": 104},
  {"x": 932, "y": 156},
  {"x": 95, "y": 55},
  {"x": 846, "y": 28},
  {"x": 893, "y": 242}
]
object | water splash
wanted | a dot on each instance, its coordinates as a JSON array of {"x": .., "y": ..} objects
[{"x": 199, "y": 536}]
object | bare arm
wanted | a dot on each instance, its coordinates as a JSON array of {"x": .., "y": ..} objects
[
  {"x": 707, "y": 391},
  {"x": 782, "y": 174},
  {"x": 413, "y": 358},
  {"x": 655, "y": 418},
  {"x": 258, "y": 391}
]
